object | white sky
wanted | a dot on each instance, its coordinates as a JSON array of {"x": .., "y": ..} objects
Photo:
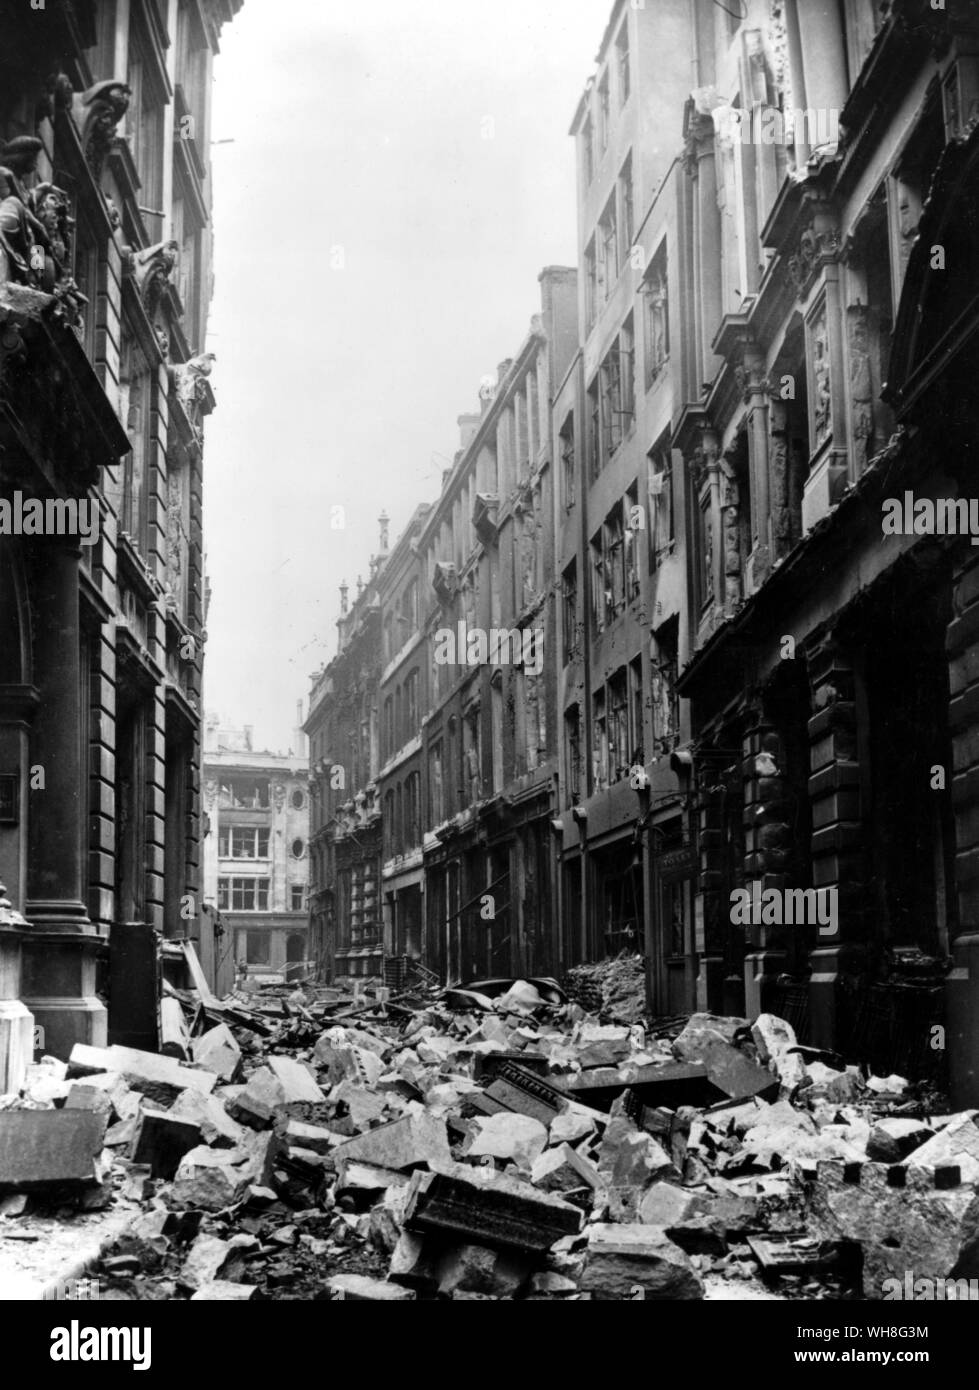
[{"x": 363, "y": 125}]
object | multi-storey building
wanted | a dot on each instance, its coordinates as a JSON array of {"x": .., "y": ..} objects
[
  {"x": 402, "y": 702},
  {"x": 346, "y": 914},
  {"x": 105, "y": 273},
  {"x": 626, "y": 866},
  {"x": 256, "y": 853},
  {"x": 490, "y": 735},
  {"x": 831, "y": 667}
]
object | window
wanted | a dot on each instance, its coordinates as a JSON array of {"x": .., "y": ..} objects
[
  {"x": 243, "y": 842},
  {"x": 664, "y": 700},
  {"x": 636, "y": 735},
  {"x": 657, "y": 319},
  {"x": 297, "y": 895},
  {"x": 388, "y": 727},
  {"x": 626, "y": 208},
  {"x": 567, "y": 462},
  {"x": 409, "y": 609},
  {"x": 614, "y": 564},
  {"x": 411, "y": 705},
  {"x": 634, "y": 520},
  {"x": 569, "y": 593},
  {"x": 661, "y": 535},
  {"x": 298, "y": 800},
  {"x": 243, "y": 894},
  {"x": 604, "y": 112},
  {"x": 591, "y": 283},
  {"x": 588, "y": 151},
  {"x": 572, "y": 729},
  {"x": 596, "y": 454},
  {"x": 622, "y": 63},
  {"x": 597, "y": 583},
  {"x": 608, "y": 250},
  {"x": 436, "y": 790},
  {"x": 244, "y": 792},
  {"x": 618, "y": 727},
  {"x": 618, "y": 401},
  {"x": 412, "y": 809},
  {"x": 599, "y": 752},
  {"x": 388, "y": 643},
  {"x": 258, "y": 947},
  {"x": 298, "y": 848}
]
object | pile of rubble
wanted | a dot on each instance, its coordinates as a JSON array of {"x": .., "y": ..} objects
[
  {"x": 484, "y": 1145},
  {"x": 614, "y": 989}
]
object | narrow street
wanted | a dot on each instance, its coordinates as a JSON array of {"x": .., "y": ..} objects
[{"x": 304, "y": 1144}]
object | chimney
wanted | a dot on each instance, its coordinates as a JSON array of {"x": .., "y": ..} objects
[{"x": 468, "y": 425}]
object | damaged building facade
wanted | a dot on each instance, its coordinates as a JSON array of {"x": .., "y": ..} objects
[
  {"x": 105, "y": 273},
  {"x": 753, "y": 684}
]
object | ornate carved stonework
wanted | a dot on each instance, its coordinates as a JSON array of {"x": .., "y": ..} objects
[
  {"x": 861, "y": 385},
  {"x": 822, "y": 398},
  {"x": 190, "y": 383},
  {"x": 813, "y": 245},
  {"x": 57, "y": 96},
  {"x": 97, "y": 112},
  {"x": 36, "y": 230},
  {"x": 151, "y": 268}
]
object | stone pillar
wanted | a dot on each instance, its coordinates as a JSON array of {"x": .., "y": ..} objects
[
  {"x": 17, "y": 704},
  {"x": 837, "y": 832},
  {"x": 708, "y": 220},
  {"x": 768, "y": 850},
  {"x": 713, "y": 917},
  {"x": 824, "y": 67},
  {"x": 60, "y": 949},
  {"x": 757, "y": 397},
  {"x": 962, "y": 984}
]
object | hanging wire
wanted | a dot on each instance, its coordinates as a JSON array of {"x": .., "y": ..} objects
[{"x": 740, "y": 17}]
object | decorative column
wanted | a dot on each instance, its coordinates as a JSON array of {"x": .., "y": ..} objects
[
  {"x": 756, "y": 396},
  {"x": 712, "y": 909},
  {"x": 837, "y": 833},
  {"x": 962, "y": 984},
  {"x": 768, "y": 851},
  {"x": 60, "y": 949},
  {"x": 699, "y": 161}
]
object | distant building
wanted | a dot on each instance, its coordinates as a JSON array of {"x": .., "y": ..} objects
[
  {"x": 256, "y": 854},
  {"x": 342, "y": 726}
]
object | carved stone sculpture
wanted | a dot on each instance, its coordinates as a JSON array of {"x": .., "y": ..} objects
[{"x": 97, "y": 112}]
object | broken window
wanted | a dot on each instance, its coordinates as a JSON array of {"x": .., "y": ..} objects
[
  {"x": 568, "y": 462},
  {"x": 613, "y": 570},
  {"x": 569, "y": 592},
  {"x": 632, "y": 534},
  {"x": 599, "y": 751},
  {"x": 243, "y": 894},
  {"x": 622, "y": 63},
  {"x": 656, "y": 315},
  {"x": 608, "y": 249},
  {"x": 661, "y": 534},
  {"x": 572, "y": 729},
  {"x": 243, "y": 842},
  {"x": 244, "y": 792},
  {"x": 618, "y": 727}
]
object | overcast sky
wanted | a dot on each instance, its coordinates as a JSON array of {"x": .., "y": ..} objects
[{"x": 424, "y": 143}]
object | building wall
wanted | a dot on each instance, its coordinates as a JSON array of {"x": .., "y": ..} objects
[
  {"x": 103, "y": 393},
  {"x": 257, "y": 854}
]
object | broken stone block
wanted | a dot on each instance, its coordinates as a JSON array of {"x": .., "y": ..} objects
[
  {"x": 602, "y": 1046},
  {"x": 629, "y": 1157},
  {"x": 957, "y": 1141},
  {"x": 216, "y": 1125},
  {"x": 702, "y": 1030},
  {"x": 699, "y": 1235},
  {"x": 358, "y": 1288},
  {"x": 296, "y": 1081},
  {"x": 622, "y": 1258},
  {"x": 161, "y": 1140},
  {"x": 894, "y": 1138},
  {"x": 664, "y": 1205},
  {"x": 403, "y": 1144},
  {"x": 480, "y": 1269},
  {"x": 507, "y": 1136},
  {"x": 255, "y": 1106},
  {"x": 314, "y": 1137},
  {"x": 486, "y": 1208},
  {"x": 205, "y": 1259},
  {"x": 217, "y": 1050},
  {"x": 81, "y": 1097},
  {"x": 919, "y": 1227},
  {"x": 345, "y": 1062},
  {"x": 43, "y": 1148},
  {"x": 221, "y": 1291},
  {"x": 356, "y": 1177},
  {"x": 547, "y": 1283},
  {"x": 413, "y": 1262},
  {"x": 364, "y": 1107},
  {"x": 162, "y": 1078},
  {"x": 571, "y": 1126},
  {"x": 563, "y": 1169}
]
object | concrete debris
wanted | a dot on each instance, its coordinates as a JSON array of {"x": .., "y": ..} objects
[{"x": 496, "y": 1140}]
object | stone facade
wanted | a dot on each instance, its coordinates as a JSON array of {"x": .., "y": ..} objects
[{"x": 104, "y": 288}]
